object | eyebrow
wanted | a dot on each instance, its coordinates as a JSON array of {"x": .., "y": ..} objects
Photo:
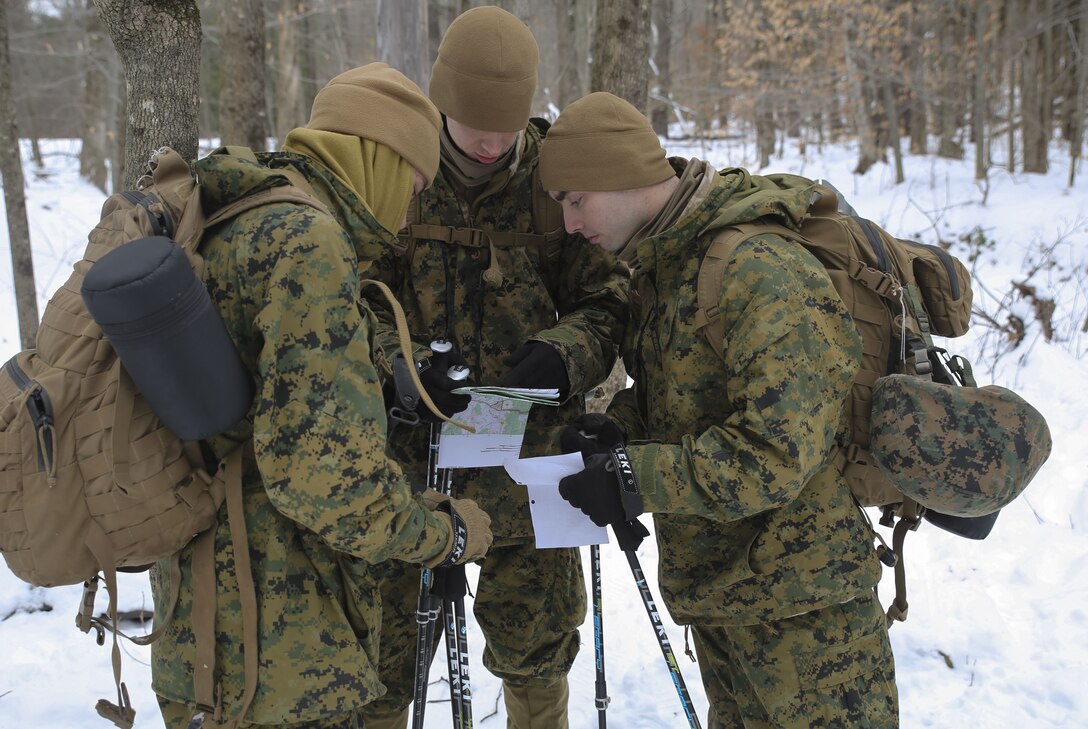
[{"x": 560, "y": 196}]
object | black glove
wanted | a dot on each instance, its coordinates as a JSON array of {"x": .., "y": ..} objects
[
  {"x": 591, "y": 433},
  {"x": 432, "y": 374},
  {"x": 536, "y": 365},
  {"x": 605, "y": 490}
]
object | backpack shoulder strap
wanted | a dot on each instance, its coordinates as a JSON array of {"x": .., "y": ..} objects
[
  {"x": 712, "y": 273},
  {"x": 547, "y": 217}
]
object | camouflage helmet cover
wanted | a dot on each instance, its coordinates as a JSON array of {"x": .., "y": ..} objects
[{"x": 962, "y": 451}]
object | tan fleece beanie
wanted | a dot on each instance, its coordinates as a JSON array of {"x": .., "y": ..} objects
[
  {"x": 379, "y": 103},
  {"x": 485, "y": 73},
  {"x": 601, "y": 142}
]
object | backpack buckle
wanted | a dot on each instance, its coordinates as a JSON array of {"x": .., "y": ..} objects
[{"x": 85, "y": 615}]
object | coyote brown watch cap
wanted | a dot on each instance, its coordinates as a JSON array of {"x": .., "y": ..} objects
[
  {"x": 601, "y": 143},
  {"x": 485, "y": 73},
  {"x": 379, "y": 103}
]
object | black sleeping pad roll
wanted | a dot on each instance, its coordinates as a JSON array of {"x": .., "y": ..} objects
[{"x": 159, "y": 317}]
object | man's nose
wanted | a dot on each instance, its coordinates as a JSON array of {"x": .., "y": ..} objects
[{"x": 572, "y": 222}]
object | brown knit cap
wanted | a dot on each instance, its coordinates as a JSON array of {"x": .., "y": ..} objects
[
  {"x": 379, "y": 103},
  {"x": 601, "y": 142},
  {"x": 485, "y": 73}
]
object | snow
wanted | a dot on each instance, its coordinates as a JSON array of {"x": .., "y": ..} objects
[{"x": 998, "y": 629}]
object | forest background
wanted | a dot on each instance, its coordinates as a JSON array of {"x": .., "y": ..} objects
[{"x": 1003, "y": 79}]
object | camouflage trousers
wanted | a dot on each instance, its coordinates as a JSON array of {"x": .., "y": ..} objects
[
  {"x": 529, "y": 604},
  {"x": 177, "y": 715},
  {"x": 831, "y": 667}
]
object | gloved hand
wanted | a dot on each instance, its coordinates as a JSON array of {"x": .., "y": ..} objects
[
  {"x": 605, "y": 490},
  {"x": 434, "y": 378},
  {"x": 591, "y": 433},
  {"x": 470, "y": 529},
  {"x": 536, "y": 365}
]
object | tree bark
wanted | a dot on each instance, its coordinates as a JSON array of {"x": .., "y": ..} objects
[
  {"x": 97, "y": 119},
  {"x": 621, "y": 50},
  {"x": 242, "y": 116},
  {"x": 978, "y": 113},
  {"x": 402, "y": 38},
  {"x": 163, "y": 106},
  {"x": 11, "y": 174},
  {"x": 1033, "y": 102},
  {"x": 569, "y": 77},
  {"x": 661, "y": 106},
  {"x": 288, "y": 79},
  {"x": 1080, "y": 111}
]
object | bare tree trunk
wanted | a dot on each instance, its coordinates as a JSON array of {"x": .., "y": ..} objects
[
  {"x": 242, "y": 116},
  {"x": 1032, "y": 104},
  {"x": 288, "y": 78},
  {"x": 621, "y": 50},
  {"x": 918, "y": 120},
  {"x": 11, "y": 173},
  {"x": 1011, "y": 51},
  {"x": 867, "y": 146},
  {"x": 891, "y": 108},
  {"x": 978, "y": 114},
  {"x": 568, "y": 81},
  {"x": 162, "y": 107},
  {"x": 97, "y": 119},
  {"x": 949, "y": 83},
  {"x": 402, "y": 38},
  {"x": 661, "y": 106},
  {"x": 120, "y": 126},
  {"x": 765, "y": 127},
  {"x": 1080, "y": 110},
  {"x": 717, "y": 16}
]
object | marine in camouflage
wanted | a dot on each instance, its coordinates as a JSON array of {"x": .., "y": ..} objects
[
  {"x": 961, "y": 451},
  {"x": 488, "y": 300},
  {"x": 322, "y": 500},
  {"x": 731, "y": 450}
]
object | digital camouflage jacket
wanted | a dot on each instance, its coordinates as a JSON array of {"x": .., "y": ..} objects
[
  {"x": 321, "y": 500},
  {"x": 488, "y": 300},
  {"x": 752, "y": 522}
]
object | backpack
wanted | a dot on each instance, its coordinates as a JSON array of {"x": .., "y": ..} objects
[
  {"x": 900, "y": 294},
  {"x": 91, "y": 481}
]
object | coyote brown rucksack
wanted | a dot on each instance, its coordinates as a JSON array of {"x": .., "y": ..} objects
[
  {"x": 90, "y": 480},
  {"x": 899, "y": 294}
]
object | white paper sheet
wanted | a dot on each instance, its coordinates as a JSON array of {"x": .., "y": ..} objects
[{"x": 555, "y": 522}]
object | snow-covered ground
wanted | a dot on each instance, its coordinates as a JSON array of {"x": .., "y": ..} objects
[{"x": 998, "y": 629}]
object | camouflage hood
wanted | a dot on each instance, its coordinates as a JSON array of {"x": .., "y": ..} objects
[
  {"x": 746, "y": 197},
  {"x": 225, "y": 178}
]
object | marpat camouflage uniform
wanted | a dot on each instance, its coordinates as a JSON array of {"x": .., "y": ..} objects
[
  {"x": 321, "y": 500},
  {"x": 488, "y": 301},
  {"x": 759, "y": 538}
]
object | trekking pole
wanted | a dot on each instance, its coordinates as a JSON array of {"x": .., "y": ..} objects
[
  {"x": 601, "y": 701},
  {"x": 427, "y": 607},
  {"x": 629, "y": 535},
  {"x": 456, "y": 627}
]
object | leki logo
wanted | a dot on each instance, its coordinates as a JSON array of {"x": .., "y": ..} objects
[{"x": 622, "y": 462}]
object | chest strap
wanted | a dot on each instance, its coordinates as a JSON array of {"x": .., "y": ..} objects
[{"x": 479, "y": 238}]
